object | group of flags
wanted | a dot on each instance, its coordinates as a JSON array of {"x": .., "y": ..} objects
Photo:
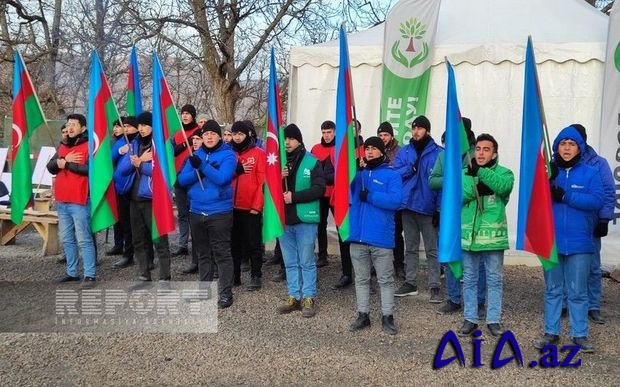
[{"x": 535, "y": 222}]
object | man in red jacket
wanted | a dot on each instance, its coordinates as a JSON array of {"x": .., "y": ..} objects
[
  {"x": 70, "y": 165},
  {"x": 181, "y": 151},
  {"x": 325, "y": 153},
  {"x": 248, "y": 202}
]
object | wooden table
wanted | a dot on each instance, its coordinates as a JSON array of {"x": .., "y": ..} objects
[{"x": 44, "y": 222}]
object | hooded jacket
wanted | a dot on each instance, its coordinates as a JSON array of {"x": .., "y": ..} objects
[
  {"x": 248, "y": 187},
  {"x": 590, "y": 157},
  {"x": 575, "y": 217},
  {"x": 128, "y": 174}
]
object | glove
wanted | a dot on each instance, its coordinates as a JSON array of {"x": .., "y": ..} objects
[
  {"x": 364, "y": 195},
  {"x": 240, "y": 170},
  {"x": 179, "y": 148},
  {"x": 554, "y": 170},
  {"x": 483, "y": 189},
  {"x": 435, "y": 221},
  {"x": 195, "y": 161},
  {"x": 601, "y": 229},
  {"x": 473, "y": 169},
  {"x": 557, "y": 194}
]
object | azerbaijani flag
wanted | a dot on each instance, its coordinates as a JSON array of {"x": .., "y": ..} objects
[
  {"x": 452, "y": 191},
  {"x": 166, "y": 123},
  {"x": 273, "y": 215},
  {"x": 344, "y": 168},
  {"x": 27, "y": 117},
  {"x": 134, "y": 97},
  {"x": 102, "y": 113},
  {"x": 535, "y": 232}
]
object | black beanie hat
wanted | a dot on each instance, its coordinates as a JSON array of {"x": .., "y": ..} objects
[
  {"x": 240, "y": 126},
  {"x": 422, "y": 122},
  {"x": 292, "y": 131},
  {"x": 145, "y": 118},
  {"x": 581, "y": 131},
  {"x": 376, "y": 142},
  {"x": 386, "y": 127},
  {"x": 118, "y": 122},
  {"x": 212, "y": 126},
  {"x": 190, "y": 109},
  {"x": 131, "y": 121},
  {"x": 199, "y": 132}
]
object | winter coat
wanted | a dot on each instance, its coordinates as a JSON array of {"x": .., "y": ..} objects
[
  {"x": 248, "y": 187},
  {"x": 305, "y": 201},
  {"x": 128, "y": 174},
  {"x": 591, "y": 158},
  {"x": 326, "y": 156},
  {"x": 71, "y": 184}
]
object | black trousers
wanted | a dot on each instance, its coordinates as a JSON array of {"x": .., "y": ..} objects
[
  {"x": 247, "y": 240},
  {"x": 211, "y": 241},
  {"x": 345, "y": 255},
  {"x": 399, "y": 248},
  {"x": 141, "y": 218},
  {"x": 122, "y": 228}
]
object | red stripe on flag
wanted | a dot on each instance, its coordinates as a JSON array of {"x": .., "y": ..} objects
[{"x": 539, "y": 234}]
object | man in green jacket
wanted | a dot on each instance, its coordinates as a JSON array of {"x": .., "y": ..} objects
[{"x": 484, "y": 233}]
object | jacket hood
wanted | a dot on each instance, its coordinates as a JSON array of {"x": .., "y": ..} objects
[{"x": 573, "y": 134}]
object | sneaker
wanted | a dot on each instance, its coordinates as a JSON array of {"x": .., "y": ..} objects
[
  {"x": 142, "y": 283},
  {"x": 449, "y": 307},
  {"x": 224, "y": 302},
  {"x": 89, "y": 282},
  {"x": 495, "y": 329},
  {"x": 547, "y": 339},
  {"x": 308, "y": 307},
  {"x": 586, "y": 346},
  {"x": 255, "y": 284},
  {"x": 467, "y": 329},
  {"x": 292, "y": 304},
  {"x": 362, "y": 321},
  {"x": 406, "y": 290},
  {"x": 595, "y": 317},
  {"x": 435, "y": 296},
  {"x": 388, "y": 326},
  {"x": 123, "y": 263},
  {"x": 68, "y": 278}
]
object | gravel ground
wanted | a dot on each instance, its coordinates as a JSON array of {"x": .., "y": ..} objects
[{"x": 254, "y": 346}]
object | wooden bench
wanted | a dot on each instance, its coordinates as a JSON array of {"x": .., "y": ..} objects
[{"x": 44, "y": 222}]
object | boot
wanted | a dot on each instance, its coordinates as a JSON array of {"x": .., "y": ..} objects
[
  {"x": 361, "y": 322},
  {"x": 387, "y": 323}
]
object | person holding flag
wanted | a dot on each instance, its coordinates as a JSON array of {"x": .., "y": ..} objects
[
  {"x": 577, "y": 195},
  {"x": 211, "y": 208},
  {"x": 137, "y": 166},
  {"x": 304, "y": 186},
  {"x": 484, "y": 233},
  {"x": 70, "y": 165}
]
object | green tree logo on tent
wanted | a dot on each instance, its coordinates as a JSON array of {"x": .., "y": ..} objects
[{"x": 411, "y": 31}]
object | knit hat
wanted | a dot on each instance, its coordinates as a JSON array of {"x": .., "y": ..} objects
[
  {"x": 202, "y": 117},
  {"x": 199, "y": 132},
  {"x": 212, "y": 126},
  {"x": 131, "y": 121},
  {"x": 190, "y": 109},
  {"x": 375, "y": 142},
  {"x": 118, "y": 122},
  {"x": 422, "y": 122},
  {"x": 240, "y": 126},
  {"x": 292, "y": 131},
  {"x": 386, "y": 127},
  {"x": 581, "y": 131},
  {"x": 145, "y": 118}
]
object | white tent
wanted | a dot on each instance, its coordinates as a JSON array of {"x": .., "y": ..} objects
[{"x": 485, "y": 41}]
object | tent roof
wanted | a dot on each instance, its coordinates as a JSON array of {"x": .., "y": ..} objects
[{"x": 493, "y": 31}]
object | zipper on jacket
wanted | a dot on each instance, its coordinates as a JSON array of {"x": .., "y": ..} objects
[{"x": 364, "y": 205}]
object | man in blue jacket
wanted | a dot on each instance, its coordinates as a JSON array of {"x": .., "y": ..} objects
[
  {"x": 577, "y": 194},
  {"x": 137, "y": 167},
  {"x": 376, "y": 193},
  {"x": 605, "y": 214},
  {"x": 414, "y": 164},
  {"x": 211, "y": 208}
]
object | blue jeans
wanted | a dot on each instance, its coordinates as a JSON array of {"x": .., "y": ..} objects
[
  {"x": 573, "y": 270},
  {"x": 494, "y": 263},
  {"x": 453, "y": 285},
  {"x": 594, "y": 278},
  {"x": 297, "y": 245},
  {"x": 75, "y": 233}
]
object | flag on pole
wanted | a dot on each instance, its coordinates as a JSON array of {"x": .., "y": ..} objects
[
  {"x": 452, "y": 191},
  {"x": 535, "y": 231},
  {"x": 166, "y": 123},
  {"x": 344, "y": 168},
  {"x": 273, "y": 215},
  {"x": 27, "y": 117},
  {"x": 134, "y": 96},
  {"x": 408, "y": 43},
  {"x": 102, "y": 113}
]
